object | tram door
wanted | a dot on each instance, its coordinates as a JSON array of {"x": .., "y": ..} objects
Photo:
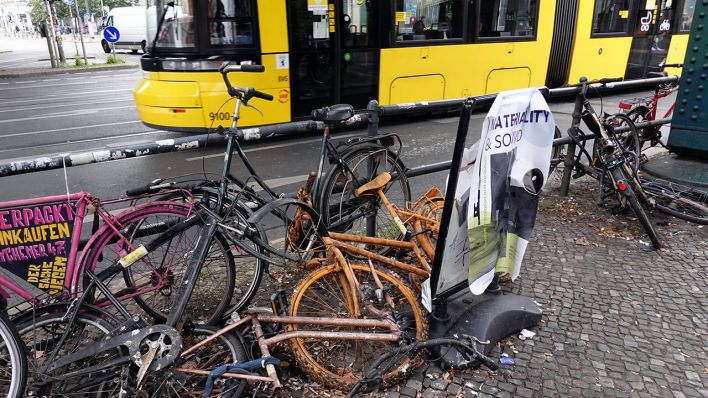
[
  {"x": 334, "y": 53},
  {"x": 652, "y": 35}
]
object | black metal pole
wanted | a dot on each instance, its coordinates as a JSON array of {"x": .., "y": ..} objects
[
  {"x": 373, "y": 129},
  {"x": 440, "y": 304}
]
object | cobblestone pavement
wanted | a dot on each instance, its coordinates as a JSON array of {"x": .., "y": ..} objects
[{"x": 619, "y": 319}]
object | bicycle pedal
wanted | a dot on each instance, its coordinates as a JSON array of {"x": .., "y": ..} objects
[{"x": 279, "y": 302}]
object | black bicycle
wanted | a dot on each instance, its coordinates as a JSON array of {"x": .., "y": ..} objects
[
  {"x": 613, "y": 161},
  {"x": 353, "y": 162}
]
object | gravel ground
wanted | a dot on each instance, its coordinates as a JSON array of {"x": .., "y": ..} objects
[{"x": 619, "y": 318}]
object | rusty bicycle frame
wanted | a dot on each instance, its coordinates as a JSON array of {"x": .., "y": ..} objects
[
  {"x": 422, "y": 250},
  {"x": 384, "y": 321},
  {"x": 335, "y": 244}
]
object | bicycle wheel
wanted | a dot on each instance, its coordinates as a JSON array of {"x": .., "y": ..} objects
[
  {"x": 626, "y": 142},
  {"x": 343, "y": 211},
  {"x": 225, "y": 349},
  {"x": 248, "y": 269},
  {"x": 426, "y": 231},
  {"x": 13, "y": 361},
  {"x": 154, "y": 279},
  {"x": 636, "y": 207},
  {"x": 640, "y": 114},
  {"x": 42, "y": 335},
  {"x": 557, "y": 153},
  {"x": 678, "y": 201},
  {"x": 340, "y": 363}
]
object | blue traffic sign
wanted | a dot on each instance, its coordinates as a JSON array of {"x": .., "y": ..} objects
[
  {"x": 69, "y": 2},
  {"x": 111, "y": 34}
]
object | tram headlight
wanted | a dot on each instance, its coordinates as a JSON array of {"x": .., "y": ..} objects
[{"x": 186, "y": 65}]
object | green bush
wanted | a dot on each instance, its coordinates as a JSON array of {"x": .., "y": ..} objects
[
  {"x": 78, "y": 61},
  {"x": 113, "y": 59}
]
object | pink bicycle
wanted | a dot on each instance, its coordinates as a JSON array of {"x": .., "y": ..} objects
[{"x": 43, "y": 259}]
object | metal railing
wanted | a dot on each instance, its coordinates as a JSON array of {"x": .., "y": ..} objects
[{"x": 374, "y": 112}]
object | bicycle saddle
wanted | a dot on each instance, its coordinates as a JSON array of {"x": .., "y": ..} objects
[
  {"x": 374, "y": 185},
  {"x": 333, "y": 114}
]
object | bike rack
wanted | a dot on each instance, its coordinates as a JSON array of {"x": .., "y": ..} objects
[{"x": 374, "y": 110}]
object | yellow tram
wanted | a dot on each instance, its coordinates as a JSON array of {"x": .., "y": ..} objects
[{"x": 321, "y": 52}]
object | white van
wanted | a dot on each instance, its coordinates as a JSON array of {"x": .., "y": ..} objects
[{"x": 131, "y": 23}]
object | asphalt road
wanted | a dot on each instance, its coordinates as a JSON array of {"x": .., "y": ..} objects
[{"x": 81, "y": 112}]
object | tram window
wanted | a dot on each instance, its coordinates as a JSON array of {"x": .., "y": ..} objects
[
  {"x": 429, "y": 19},
  {"x": 359, "y": 24},
  {"x": 502, "y": 19},
  {"x": 177, "y": 30},
  {"x": 231, "y": 23},
  {"x": 611, "y": 17},
  {"x": 689, "y": 6}
]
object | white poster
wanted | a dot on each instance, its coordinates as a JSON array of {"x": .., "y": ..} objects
[
  {"x": 497, "y": 193},
  {"x": 282, "y": 61}
]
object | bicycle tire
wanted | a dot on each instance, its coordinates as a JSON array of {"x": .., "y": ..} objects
[
  {"x": 13, "y": 360},
  {"x": 99, "y": 250},
  {"x": 225, "y": 349},
  {"x": 86, "y": 331},
  {"x": 315, "y": 356},
  {"x": 557, "y": 152},
  {"x": 628, "y": 141},
  {"x": 248, "y": 275},
  {"x": 336, "y": 208},
  {"x": 640, "y": 114},
  {"x": 424, "y": 233},
  {"x": 680, "y": 202},
  {"x": 619, "y": 175}
]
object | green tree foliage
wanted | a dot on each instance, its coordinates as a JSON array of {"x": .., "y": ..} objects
[{"x": 39, "y": 9}]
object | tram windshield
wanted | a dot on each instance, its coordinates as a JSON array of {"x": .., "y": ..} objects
[
  {"x": 178, "y": 28},
  {"x": 202, "y": 27}
]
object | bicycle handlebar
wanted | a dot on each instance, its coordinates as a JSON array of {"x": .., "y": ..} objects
[
  {"x": 584, "y": 81},
  {"x": 671, "y": 66},
  {"x": 261, "y": 95},
  {"x": 246, "y": 93}
]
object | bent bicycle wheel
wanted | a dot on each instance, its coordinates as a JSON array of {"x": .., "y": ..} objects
[
  {"x": 341, "y": 363},
  {"x": 679, "y": 201}
]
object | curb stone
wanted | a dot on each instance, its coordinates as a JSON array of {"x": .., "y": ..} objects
[{"x": 10, "y": 74}]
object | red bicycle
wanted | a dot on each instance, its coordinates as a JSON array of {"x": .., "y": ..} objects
[{"x": 644, "y": 109}]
